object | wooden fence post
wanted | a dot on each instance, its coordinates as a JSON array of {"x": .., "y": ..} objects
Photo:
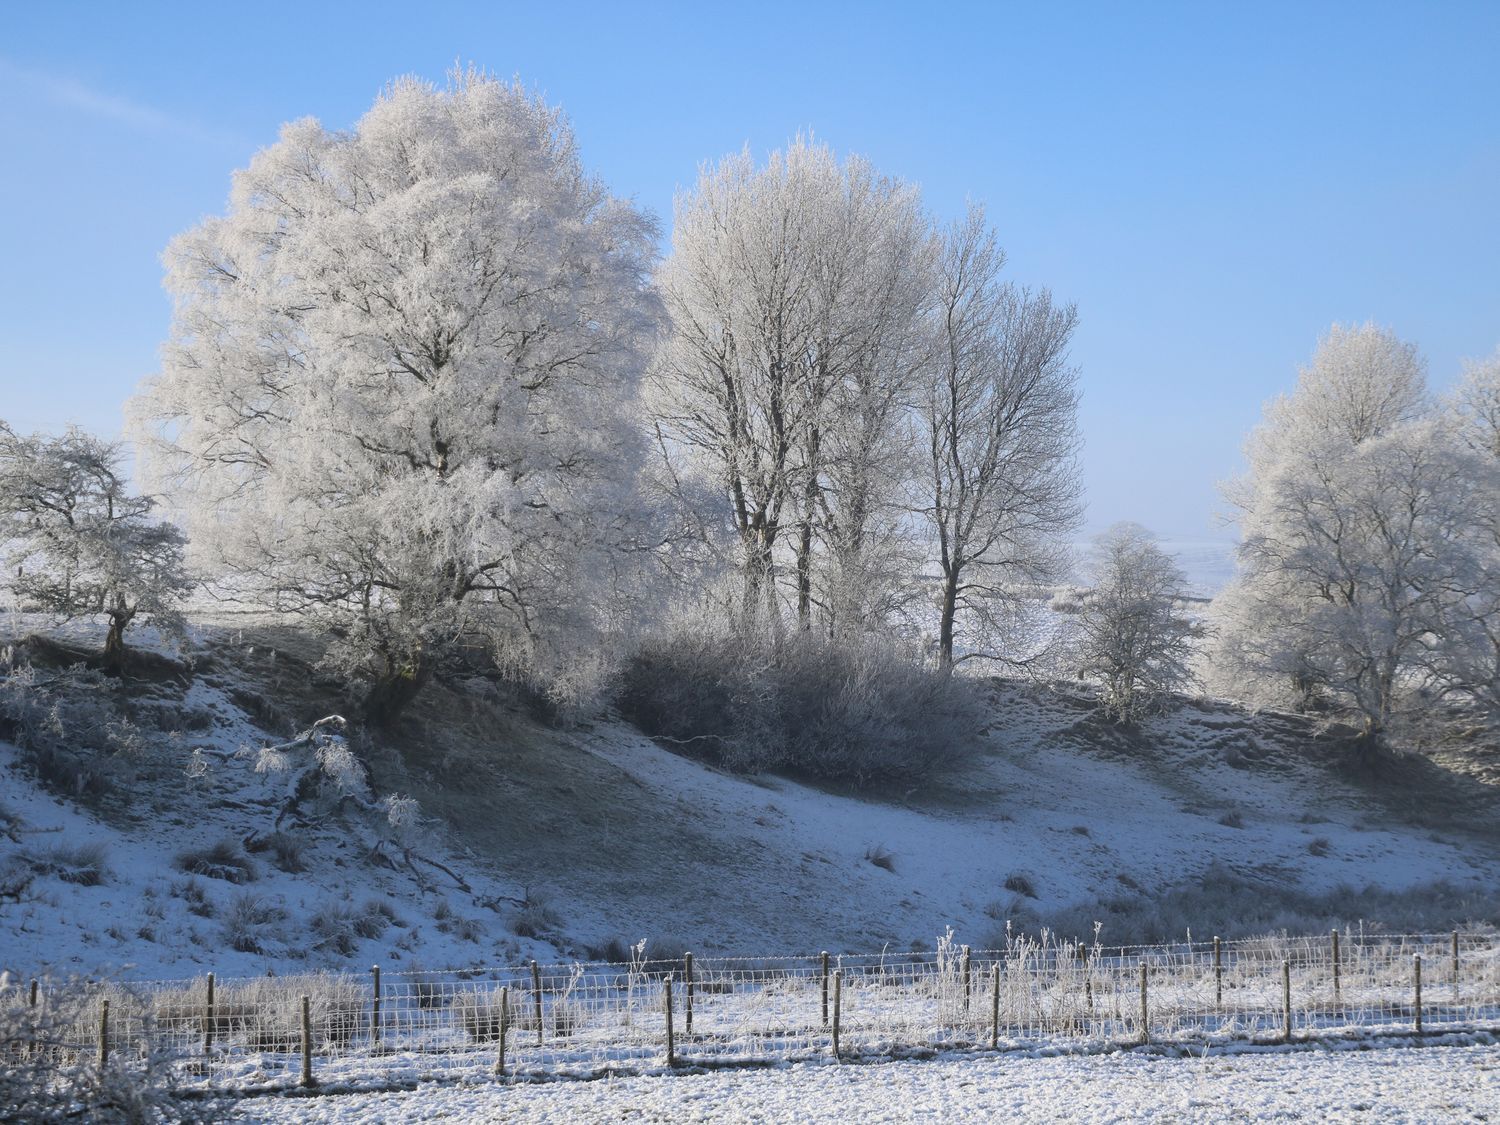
[
  {"x": 1455, "y": 966},
  {"x": 32, "y": 999},
  {"x": 967, "y": 979},
  {"x": 838, "y": 1000},
  {"x": 536, "y": 998},
  {"x": 1145, "y": 1011},
  {"x": 1218, "y": 972},
  {"x": 671, "y": 1046},
  {"x": 687, "y": 983},
  {"x": 307, "y": 1074},
  {"x": 504, "y": 1027},
  {"x": 208, "y": 1016},
  {"x": 104, "y": 1033},
  {"x": 825, "y": 988},
  {"x": 1416, "y": 966},
  {"x": 1337, "y": 968},
  {"x": 995, "y": 1009},
  {"x": 1286, "y": 1001},
  {"x": 375, "y": 1005}
]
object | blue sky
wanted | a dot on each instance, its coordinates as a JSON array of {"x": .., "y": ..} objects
[{"x": 1213, "y": 184}]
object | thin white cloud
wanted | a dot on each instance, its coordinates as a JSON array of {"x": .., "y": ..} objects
[{"x": 70, "y": 93}]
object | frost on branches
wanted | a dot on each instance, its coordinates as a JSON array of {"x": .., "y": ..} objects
[
  {"x": 1130, "y": 635},
  {"x": 80, "y": 544},
  {"x": 797, "y": 293},
  {"x": 397, "y": 395},
  {"x": 1369, "y": 552},
  {"x": 324, "y": 774},
  {"x": 852, "y": 402}
]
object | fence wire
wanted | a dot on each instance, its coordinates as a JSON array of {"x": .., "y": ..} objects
[{"x": 586, "y": 1019}]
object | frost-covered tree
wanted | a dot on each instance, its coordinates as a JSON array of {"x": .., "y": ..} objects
[
  {"x": 1463, "y": 653},
  {"x": 999, "y": 423},
  {"x": 1475, "y": 405},
  {"x": 795, "y": 291},
  {"x": 80, "y": 543},
  {"x": 1357, "y": 532},
  {"x": 1131, "y": 636},
  {"x": 399, "y": 391}
]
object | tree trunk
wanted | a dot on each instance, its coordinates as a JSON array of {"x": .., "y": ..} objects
[
  {"x": 804, "y": 577},
  {"x": 394, "y": 689},
  {"x": 760, "y": 583},
  {"x": 113, "y": 660},
  {"x": 945, "y": 621}
]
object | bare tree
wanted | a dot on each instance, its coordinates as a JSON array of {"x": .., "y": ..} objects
[
  {"x": 795, "y": 292},
  {"x": 1131, "y": 636},
  {"x": 1000, "y": 426},
  {"x": 81, "y": 543}
]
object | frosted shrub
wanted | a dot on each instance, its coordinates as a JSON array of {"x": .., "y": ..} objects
[
  {"x": 479, "y": 1016},
  {"x": 85, "y": 865},
  {"x": 45, "y": 1076},
  {"x": 247, "y": 921},
  {"x": 338, "y": 927},
  {"x": 68, "y": 723},
  {"x": 856, "y": 710},
  {"x": 224, "y": 860},
  {"x": 338, "y": 1011}
]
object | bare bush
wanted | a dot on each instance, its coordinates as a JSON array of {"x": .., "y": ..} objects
[
  {"x": 1021, "y": 884},
  {"x": 223, "y": 860},
  {"x": 70, "y": 725},
  {"x": 196, "y": 895},
  {"x": 84, "y": 865},
  {"x": 339, "y": 927},
  {"x": 248, "y": 920},
  {"x": 537, "y": 916},
  {"x": 287, "y": 850},
  {"x": 856, "y": 711}
]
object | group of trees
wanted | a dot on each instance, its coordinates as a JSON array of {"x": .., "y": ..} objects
[
  {"x": 428, "y": 390},
  {"x": 1369, "y": 570},
  {"x": 854, "y": 396}
]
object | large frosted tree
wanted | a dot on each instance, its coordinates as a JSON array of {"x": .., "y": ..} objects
[
  {"x": 1358, "y": 518},
  {"x": 397, "y": 398}
]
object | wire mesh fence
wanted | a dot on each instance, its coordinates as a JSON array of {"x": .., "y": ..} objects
[{"x": 586, "y": 1019}]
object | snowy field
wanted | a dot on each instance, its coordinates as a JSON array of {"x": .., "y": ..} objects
[{"x": 1418, "y": 1084}]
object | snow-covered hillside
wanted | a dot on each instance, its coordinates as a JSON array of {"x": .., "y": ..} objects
[{"x": 586, "y": 836}]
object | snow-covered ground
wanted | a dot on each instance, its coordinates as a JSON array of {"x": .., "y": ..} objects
[
  {"x": 630, "y": 840},
  {"x": 1396, "y": 1084},
  {"x": 625, "y": 840}
]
